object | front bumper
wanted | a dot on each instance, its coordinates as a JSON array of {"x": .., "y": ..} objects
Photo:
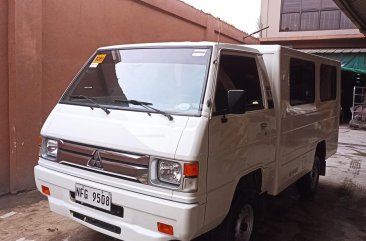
[{"x": 141, "y": 213}]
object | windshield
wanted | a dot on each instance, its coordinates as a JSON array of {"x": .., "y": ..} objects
[{"x": 169, "y": 79}]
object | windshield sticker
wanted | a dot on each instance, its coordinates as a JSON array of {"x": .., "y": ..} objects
[
  {"x": 97, "y": 60},
  {"x": 184, "y": 106},
  {"x": 199, "y": 52}
]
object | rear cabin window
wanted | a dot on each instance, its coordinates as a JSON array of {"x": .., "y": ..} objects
[
  {"x": 238, "y": 73},
  {"x": 302, "y": 82},
  {"x": 328, "y": 82}
]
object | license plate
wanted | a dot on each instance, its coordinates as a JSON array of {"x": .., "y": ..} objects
[{"x": 94, "y": 197}]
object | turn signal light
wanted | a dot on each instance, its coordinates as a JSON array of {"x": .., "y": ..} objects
[
  {"x": 165, "y": 228},
  {"x": 46, "y": 190},
  {"x": 191, "y": 169}
]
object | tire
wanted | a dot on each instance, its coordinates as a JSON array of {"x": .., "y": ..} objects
[
  {"x": 239, "y": 224},
  {"x": 308, "y": 184}
]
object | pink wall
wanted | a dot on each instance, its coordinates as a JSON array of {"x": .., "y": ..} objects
[
  {"x": 25, "y": 89},
  {"x": 4, "y": 99}
]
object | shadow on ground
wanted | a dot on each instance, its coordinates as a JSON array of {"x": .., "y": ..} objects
[{"x": 337, "y": 213}]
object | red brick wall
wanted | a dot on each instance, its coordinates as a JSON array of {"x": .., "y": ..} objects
[
  {"x": 25, "y": 89},
  {"x": 4, "y": 99}
]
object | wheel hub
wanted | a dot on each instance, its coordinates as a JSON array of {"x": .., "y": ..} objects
[{"x": 244, "y": 225}]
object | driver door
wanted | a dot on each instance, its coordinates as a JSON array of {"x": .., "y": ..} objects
[{"x": 238, "y": 143}]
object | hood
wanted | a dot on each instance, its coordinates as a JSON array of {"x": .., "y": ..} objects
[{"x": 122, "y": 130}]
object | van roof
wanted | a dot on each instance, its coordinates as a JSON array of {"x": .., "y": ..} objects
[
  {"x": 268, "y": 48},
  {"x": 247, "y": 48},
  {"x": 274, "y": 48}
]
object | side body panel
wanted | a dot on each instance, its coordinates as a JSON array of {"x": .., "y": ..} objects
[{"x": 300, "y": 127}]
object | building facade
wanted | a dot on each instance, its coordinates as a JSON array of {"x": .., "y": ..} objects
[
  {"x": 308, "y": 24},
  {"x": 318, "y": 27}
]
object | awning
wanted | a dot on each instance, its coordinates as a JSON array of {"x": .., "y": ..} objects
[{"x": 351, "y": 59}]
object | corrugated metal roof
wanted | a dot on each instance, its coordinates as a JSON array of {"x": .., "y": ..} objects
[
  {"x": 334, "y": 51},
  {"x": 351, "y": 59}
]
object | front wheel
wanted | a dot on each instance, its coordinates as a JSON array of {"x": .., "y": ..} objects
[
  {"x": 239, "y": 224},
  {"x": 244, "y": 222},
  {"x": 308, "y": 184}
]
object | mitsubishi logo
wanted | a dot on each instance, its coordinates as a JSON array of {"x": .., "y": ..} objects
[{"x": 95, "y": 160}]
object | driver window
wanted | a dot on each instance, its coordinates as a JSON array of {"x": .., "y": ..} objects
[{"x": 238, "y": 73}]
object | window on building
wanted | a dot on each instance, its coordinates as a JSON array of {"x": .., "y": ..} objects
[
  {"x": 238, "y": 73},
  {"x": 308, "y": 15},
  {"x": 346, "y": 23},
  {"x": 328, "y": 4},
  {"x": 329, "y": 19},
  {"x": 310, "y": 5},
  {"x": 309, "y": 21},
  {"x": 291, "y": 6},
  {"x": 328, "y": 82},
  {"x": 290, "y": 22},
  {"x": 302, "y": 82}
]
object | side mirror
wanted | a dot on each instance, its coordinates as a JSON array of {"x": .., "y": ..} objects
[{"x": 236, "y": 101}]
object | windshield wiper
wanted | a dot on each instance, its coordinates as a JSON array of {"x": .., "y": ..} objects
[
  {"x": 92, "y": 101},
  {"x": 146, "y": 105}
]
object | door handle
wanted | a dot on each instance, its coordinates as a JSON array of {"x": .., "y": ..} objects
[{"x": 264, "y": 125}]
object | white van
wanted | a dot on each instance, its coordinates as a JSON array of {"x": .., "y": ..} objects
[{"x": 167, "y": 141}]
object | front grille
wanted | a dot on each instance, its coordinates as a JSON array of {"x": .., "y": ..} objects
[
  {"x": 115, "y": 209},
  {"x": 96, "y": 222},
  {"x": 108, "y": 162}
]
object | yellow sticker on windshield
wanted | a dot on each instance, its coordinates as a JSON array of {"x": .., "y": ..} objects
[{"x": 99, "y": 58}]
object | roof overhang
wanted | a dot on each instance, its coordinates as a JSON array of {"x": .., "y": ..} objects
[
  {"x": 321, "y": 41},
  {"x": 353, "y": 60},
  {"x": 356, "y": 11},
  {"x": 334, "y": 51}
]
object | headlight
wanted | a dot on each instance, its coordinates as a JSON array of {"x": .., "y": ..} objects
[
  {"x": 49, "y": 149},
  {"x": 175, "y": 175},
  {"x": 170, "y": 172}
]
